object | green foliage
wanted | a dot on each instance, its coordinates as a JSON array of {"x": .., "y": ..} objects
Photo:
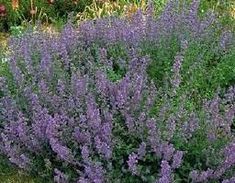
[
  {"x": 162, "y": 58},
  {"x": 204, "y": 70},
  {"x": 223, "y": 8},
  {"x": 16, "y": 30},
  {"x": 45, "y": 12},
  {"x": 10, "y": 174}
]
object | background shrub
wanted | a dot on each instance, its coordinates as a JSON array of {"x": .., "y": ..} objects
[
  {"x": 57, "y": 11},
  {"x": 46, "y": 12}
]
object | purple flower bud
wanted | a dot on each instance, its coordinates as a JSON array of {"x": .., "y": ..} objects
[
  {"x": 132, "y": 163},
  {"x": 177, "y": 159}
]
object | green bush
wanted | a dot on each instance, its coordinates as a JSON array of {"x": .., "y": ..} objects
[{"x": 45, "y": 12}]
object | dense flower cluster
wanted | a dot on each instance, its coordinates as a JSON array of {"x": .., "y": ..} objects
[{"x": 63, "y": 112}]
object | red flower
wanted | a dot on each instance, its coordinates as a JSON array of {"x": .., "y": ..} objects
[
  {"x": 50, "y": 1},
  {"x": 3, "y": 10}
]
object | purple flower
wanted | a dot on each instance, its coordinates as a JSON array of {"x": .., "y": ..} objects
[
  {"x": 153, "y": 136},
  {"x": 82, "y": 137},
  {"x": 93, "y": 114},
  {"x": 141, "y": 150},
  {"x": 85, "y": 153},
  {"x": 79, "y": 85},
  {"x": 132, "y": 163},
  {"x": 62, "y": 152},
  {"x": 176, "y": 79},
  {"x": 194, "y": 175},
  {"x": 103, "y": 148},
  {"x": 165, "y": 172},
  {"x": 60, "y": 177},
  {"x": 82, "y": 180},
  {"x": 95, "y": 173},
  {"x": 167, "y": 151},
  {"x": 177, "y": 159},
  {"x": 231, "y": 180},
  {"x": 203, "y": 176},
  {"x": 226, "y": 40}
]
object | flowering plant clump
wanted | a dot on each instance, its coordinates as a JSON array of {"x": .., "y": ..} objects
[{"x": 89, "y": 105}]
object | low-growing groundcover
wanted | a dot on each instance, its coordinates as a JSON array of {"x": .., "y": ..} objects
[{"x": 143, "y": 99}]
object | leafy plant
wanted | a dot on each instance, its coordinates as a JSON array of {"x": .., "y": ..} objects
[{"x": 122, "y": 100}]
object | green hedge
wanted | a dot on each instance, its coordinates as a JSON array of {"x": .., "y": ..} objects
[{"x": 45, "y": 11}]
